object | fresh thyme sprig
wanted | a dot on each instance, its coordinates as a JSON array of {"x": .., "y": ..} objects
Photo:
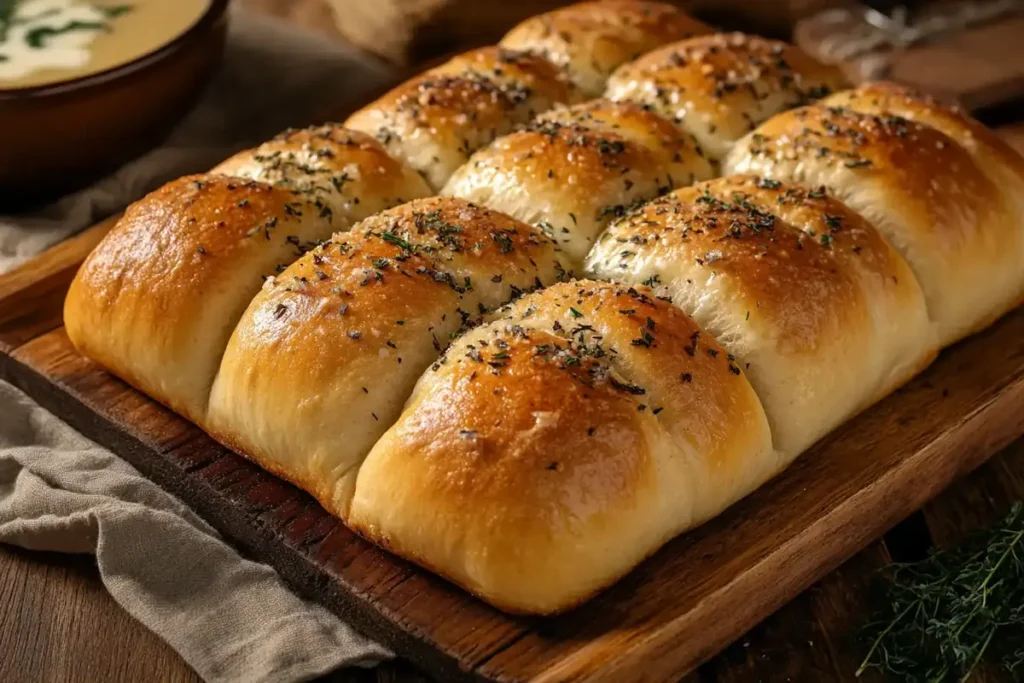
[{"x": 940, "y": 617}]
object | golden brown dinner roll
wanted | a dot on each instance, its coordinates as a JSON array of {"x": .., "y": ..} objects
[
  {"x": 823, "y": 314},
  {"x": 883, "y": 97},
  {"x": 427, "y": 369},
  {"x": 590, "y": 39},
  {"x": 1003, "y": 165},
  {"x": 574, "y": 169},
  {"x": 156, "y": 301},
  {"x": 551, "y": 450},
  {"x": 349, "y": 171},
  {"x": 325, "y": 356},
  {"x": 435, "y": 121},
  {"x": 957, "y": 229},
  {"x": 719, "y": 87}
]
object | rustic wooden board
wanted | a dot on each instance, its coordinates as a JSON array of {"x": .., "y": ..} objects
[
  {"x": 695, "y": 596},
  {"x": 691, "y": 599},
  {"x": 31, "y": 293}
]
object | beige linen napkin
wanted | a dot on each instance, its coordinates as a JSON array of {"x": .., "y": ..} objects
[{"x": 231, "y": 619}]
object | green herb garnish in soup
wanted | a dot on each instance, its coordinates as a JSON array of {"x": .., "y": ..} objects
[{"x": 47, "y": 41}]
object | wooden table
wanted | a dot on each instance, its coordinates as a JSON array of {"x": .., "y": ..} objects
[{"x": 57, "y": 623}]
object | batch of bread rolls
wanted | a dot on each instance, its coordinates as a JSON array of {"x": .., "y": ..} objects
[{"x": 586, "y": 343}]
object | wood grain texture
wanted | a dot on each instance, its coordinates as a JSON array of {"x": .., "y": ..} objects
[
  {"x": 698, "y": 594},
  {"x": 54, "y": 604},
  {"x": 43, "y": 592},
  {"x": 31, "y": 292}
]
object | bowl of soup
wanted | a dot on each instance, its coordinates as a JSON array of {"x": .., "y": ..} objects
[{"x": 86, "y": 85}]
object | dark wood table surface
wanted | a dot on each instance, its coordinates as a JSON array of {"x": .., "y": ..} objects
[{"x": 58, "y": 624}]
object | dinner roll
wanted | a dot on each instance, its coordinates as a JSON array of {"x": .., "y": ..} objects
[
  {"x": 993, "y": 156},
  {"x": 429, "y": 371},
  {"x": 551, "y": 450},
  {"x": 156, "y": 301},
  {"x": 326, "y": 354},
  {"x": 574, "y": 169},
  {"x": 590, "y": 39},
  {"x": 719, "y": 87},
  {"x": 881, "y": 97},
  {"x": 824, "y": 315},
  {"x": 348, "y": 171},
  {"x": 435, "y": 121},
  {"x": 956, "y": 228}
]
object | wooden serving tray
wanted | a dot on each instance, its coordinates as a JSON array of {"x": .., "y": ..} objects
[{"x": 699, "y": 593}]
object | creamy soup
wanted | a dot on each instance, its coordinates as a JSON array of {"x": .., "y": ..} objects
[{"x": 46, "y": 41}]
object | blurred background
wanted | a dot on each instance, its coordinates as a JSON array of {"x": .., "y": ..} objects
[
  {"x": 970, "y": 50},
  {"x": 406, "y": 31}
]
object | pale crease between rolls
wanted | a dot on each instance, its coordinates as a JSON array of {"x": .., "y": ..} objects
[
  {"x": 720, "y": 87},
  {"x": 157, "y": 299},
  {"x": 552, "y": 449},
  {"x": 558, "y": 444},
  {"x": 823, "y": 314},
  {"x": 326, "y": 354},
  {"x": 591, "y": 39},
  {"x": 350, "y": 172},
  {"x": 573, "y": 170},
  {"x": 435, "y": 121},
  {"x": 940, "y": 204}
]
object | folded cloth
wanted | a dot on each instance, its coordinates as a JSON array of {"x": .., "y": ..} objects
[
  {"x": 273, "y": 76},
  {"x": 231, "y": 619}
]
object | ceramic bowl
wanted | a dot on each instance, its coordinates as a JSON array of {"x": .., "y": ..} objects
[{"x": 61, "y": 136}]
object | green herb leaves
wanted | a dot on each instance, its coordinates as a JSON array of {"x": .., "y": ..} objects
[
  {"x": 394, "y": 239},
  {"x": 941, "y": 616},
  {"x": 6, "y": 16},
  {"x": 116, "y": 10},
  {"x": 37, "y": 37}
]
